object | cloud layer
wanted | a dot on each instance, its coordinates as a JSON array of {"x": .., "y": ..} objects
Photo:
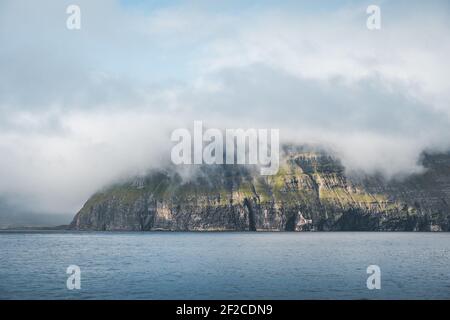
[{"x": 80, "y": 109}]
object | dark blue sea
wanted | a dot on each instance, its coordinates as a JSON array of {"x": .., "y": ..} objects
[{"x": 178, "y": 265}]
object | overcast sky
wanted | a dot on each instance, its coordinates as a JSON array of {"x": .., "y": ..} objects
[{"x": 81, "y": 108}]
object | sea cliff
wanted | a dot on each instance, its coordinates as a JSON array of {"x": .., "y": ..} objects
[{"x": 310, "y": 192}]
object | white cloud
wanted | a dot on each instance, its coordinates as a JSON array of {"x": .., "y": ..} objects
[{"x": 79, "y": 110}]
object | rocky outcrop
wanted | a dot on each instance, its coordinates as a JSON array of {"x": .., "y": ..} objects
[{"x": 310, "y": 192}]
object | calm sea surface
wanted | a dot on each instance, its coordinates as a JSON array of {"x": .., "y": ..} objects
[{"x": 160, "y": 265}]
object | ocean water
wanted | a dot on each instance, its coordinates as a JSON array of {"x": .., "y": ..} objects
[{"x": 164, "y": 265}]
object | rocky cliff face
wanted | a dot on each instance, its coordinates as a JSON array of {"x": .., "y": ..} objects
[{"x": 310, "y": 192}]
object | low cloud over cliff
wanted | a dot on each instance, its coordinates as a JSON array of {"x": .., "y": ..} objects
[{"x": 80, "y": 109}]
